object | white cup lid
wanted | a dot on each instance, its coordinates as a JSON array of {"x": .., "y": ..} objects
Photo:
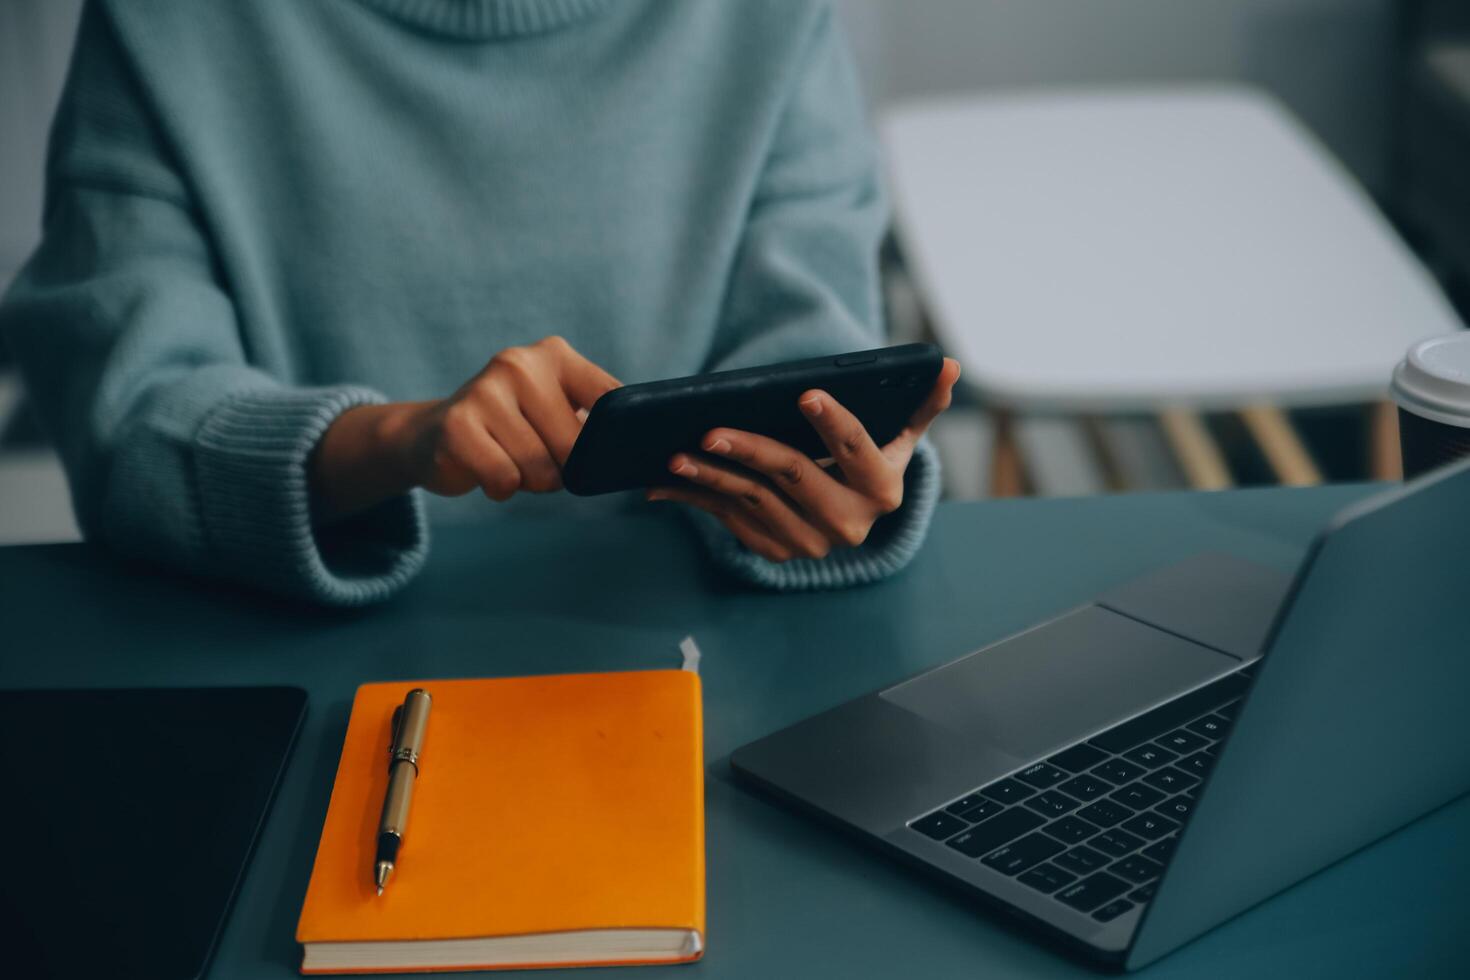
[{"x": 1433, "y": 380}]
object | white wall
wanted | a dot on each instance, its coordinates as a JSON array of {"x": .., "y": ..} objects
[{"x": 1330, "y": 60}]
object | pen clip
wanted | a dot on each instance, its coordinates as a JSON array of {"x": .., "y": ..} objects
[{"x": 393, "y": 733}]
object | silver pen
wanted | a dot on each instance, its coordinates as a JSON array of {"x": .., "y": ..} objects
[{"x": 410, "y": 720}]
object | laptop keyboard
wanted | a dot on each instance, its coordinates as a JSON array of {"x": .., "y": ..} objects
[{"x": 1094, "y": 825}]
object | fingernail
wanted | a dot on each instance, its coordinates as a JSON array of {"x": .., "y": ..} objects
[
  {"x": 684, "y": 468},
  {"x": 654, "y": 495},
  {"x": 718, "y": 446},
  {"x": 813, "y": 405}
]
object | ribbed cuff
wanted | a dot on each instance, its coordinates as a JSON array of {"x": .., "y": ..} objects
[
  {"x": 250, "y": 459},
  {"x": 894, "y": 541}
]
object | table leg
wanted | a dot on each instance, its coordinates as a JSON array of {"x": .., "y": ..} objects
[
  {"x": 1284, "y": 449},
  {"x": 1203, "y": 464},
  {"x": 1384, "y": 459},
  {"x": 1007, "y": 475}
]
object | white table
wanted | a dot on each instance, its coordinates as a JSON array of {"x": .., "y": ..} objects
[
  {"x": 1171, "y": 249},
  {"x": 1104, "y": 252}
]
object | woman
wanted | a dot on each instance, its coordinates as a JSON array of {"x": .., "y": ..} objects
[{"x": 281, "y": 240}]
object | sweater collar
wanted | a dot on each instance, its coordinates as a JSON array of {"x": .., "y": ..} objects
[{"x": 485, "y": 20}]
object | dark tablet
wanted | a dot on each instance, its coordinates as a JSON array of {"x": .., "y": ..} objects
[
  {"x": 129, "y": 818},
  {"x": 632, "y": 432}
]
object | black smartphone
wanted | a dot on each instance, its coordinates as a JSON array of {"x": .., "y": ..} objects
[{"x": 632, "y": 432}]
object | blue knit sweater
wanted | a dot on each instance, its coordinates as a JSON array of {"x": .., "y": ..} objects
[{"x": 260, "y": 214}]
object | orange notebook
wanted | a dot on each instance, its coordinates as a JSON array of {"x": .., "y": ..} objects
[{"x": 557, "y": 821}]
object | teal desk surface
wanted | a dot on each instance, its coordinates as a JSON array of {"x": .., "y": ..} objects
[{"x": 787, "y": 897}]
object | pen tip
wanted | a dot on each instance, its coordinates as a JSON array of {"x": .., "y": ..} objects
[
  {"x": 380, "y": 891},
  {"x": 380, "y": 875}
]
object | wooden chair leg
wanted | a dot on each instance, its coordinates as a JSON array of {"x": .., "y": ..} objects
[
  {"x": 1007, "y": 475},
  {"x": 1199, "y": 457},
  {"x": 1385, "y": 462},
  {"x": 1284, "y": 449}
]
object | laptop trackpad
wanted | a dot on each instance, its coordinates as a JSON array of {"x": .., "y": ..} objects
[{"x": 1052, "y": 685}]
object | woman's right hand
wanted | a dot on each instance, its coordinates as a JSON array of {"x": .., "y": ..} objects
[{"x": 508, "y": 429}]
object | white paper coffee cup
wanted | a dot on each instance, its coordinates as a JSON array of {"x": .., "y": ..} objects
[{"x": 1431, "y": 387}]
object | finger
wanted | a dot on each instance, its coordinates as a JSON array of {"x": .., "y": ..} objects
[
  {"x": 939, "y": 399},
  {"x": 552, "y": 416},
  {"x": 583, "y": 381},
  {"x": 472, "y": 448},
  {"x": 503, "y": 419},
  {"x": 864, "y": 467},
  {"x": 746, "y": 529},
  {"x": 757, "y": 499},
  {"x": 843, "y": 513}
]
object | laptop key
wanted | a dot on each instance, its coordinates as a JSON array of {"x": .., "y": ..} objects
[
  {"x": 967, "y": 802},
  {"x": 1150, "y": 825},
  {"x": 1118, "y": 771},
  {"x": 1019, "y": 855},
  {"x": 1112, "y": 910},
  {"x": 1169, "y": 716},
  {"x": 1052, "y": 804},
  {"x": 986, "y": 837},
  {"x": 1176, "y": 807},
  {"x": 984, "y": 811},
  {"x": 1183, "y": 741},
  {"x": 1198, "y": 764},
  {"x": 1150, "y": 756},
  {"x": 1047, "y": 878},
  {"x": 1092, "y": 891},
  {"x": 1105, "y": 813},
  {"x": 1170, "y": 780},
  {"x": 1070, "y": 830},
  {"x": 1083, "y": 860},
  {"x": 1078, "y": 758},
  {"x": 1116, "y": 842},
  {"x": 939, "y": 825},
  {"x": 1144, "y": 893},
  {"x": 1043, "y": 775},
  {"x": 1008, "y": 791},
  {"x": 1137, "y": 869},
  {"x": 1138, "y": 796},
  {"x": 1161, "y": 851},
  {"x": 1210, "y": 726},
  {"x": 1085, "y": 787},
  {"x": 1227, "y": 711}
]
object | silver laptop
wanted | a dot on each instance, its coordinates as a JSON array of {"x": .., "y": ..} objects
[{"x": 1137, "y": 770}]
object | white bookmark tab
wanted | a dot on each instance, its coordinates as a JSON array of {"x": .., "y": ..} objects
[{"x": 690, "y": 649}]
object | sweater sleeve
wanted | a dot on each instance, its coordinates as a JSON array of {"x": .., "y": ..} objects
[
  {"x": 805, "y": 283},
  {"x": 176, "y": 449}
]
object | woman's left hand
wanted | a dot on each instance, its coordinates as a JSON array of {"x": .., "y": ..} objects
[{"x": 780, "y": 503}]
